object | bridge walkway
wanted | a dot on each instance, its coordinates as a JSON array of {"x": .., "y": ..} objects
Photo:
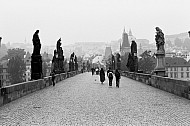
[{"x": 82, "y": 100}]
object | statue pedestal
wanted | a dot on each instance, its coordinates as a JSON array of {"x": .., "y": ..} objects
[
  {"x": 160, "y": 67},
  {"x": 36, "y": 67}
]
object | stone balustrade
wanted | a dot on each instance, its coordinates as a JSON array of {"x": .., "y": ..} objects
[
  {"x": 175, "y": 86},
  {"x": 12, "y": 92}
]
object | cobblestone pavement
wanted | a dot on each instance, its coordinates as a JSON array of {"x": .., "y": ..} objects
[{"x": 82, "y": 100}]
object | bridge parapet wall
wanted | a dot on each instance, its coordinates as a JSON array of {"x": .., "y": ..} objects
[
  {"x": 12, "y": 92},
  {"x": 175, "y": 86}
]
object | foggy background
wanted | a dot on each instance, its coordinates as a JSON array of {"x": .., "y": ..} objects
[{"x": 90, "y": 20}]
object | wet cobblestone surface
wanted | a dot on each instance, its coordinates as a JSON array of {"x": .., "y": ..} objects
[{"x": 82, "y": 100}]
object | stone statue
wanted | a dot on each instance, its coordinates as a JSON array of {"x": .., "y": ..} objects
[
  {"x": 54, "y": 56},
  {"x": 36, "y": 43},
  {"x": 118, "y": 57},
  {"x": 71, "y": 62},
  {"x": 133, "y": 48},
  {"x": 75, "y": 59},
  {"x": 76, "y": 64},
  {"x": 58, "y": 45},
  {"x": 130, "y": 62},
  {"x": 72, "y": 57},
  {"x": 159, "y": 39},
  {"x": 36, "y": 58}
]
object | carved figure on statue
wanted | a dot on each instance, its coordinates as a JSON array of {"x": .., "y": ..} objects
[
  {"x": 118, "y": 57},
  {"x": 133, "y": 47},
  {"x": 75, "y": 59},
  {"x": 72, "y": 57},
  {"x": 159, "y": 38},
  {"x": 58, "y": 45},
  {"x": 36, "y": 43}
]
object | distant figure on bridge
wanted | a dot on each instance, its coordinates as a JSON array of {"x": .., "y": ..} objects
[
  {"x": 97, "y": 71},
  {"x": 53, "y": 77},
  {"x": 93, "y": 70},
  {"x": 102, "y": 75},
  {"x": 110, "y": 76},
  {"x": 117, "y": 77}
]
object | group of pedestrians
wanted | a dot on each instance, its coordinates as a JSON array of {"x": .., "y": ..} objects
[{"x": 110, "y": 76}]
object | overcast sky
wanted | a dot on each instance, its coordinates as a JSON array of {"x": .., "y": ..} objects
[{"x": 90, "y": 20}]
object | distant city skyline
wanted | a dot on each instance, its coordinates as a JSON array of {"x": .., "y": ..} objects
[{"x": 90, "y": 20}]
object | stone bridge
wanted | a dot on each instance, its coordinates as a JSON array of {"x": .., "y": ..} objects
[{"x": 82, "y": 100}]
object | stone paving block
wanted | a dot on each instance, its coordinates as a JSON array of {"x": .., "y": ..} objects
[
  {"x": 1, "y": 100},
  {"x": 83, "y": 100}
]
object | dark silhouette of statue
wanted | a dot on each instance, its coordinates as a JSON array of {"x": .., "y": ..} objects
[
  {"x": 36, "y": 43},
  {"x": 118, "y": 57},
  {"x": 75, "y": 59},
  {"x": 58, "y": 58},
  {"x": 133, "y": 48},
  {"x": 118, "y": 61},
  {"x": 159, "y": 39},
  {"x": 76, "y": 63},
  {"x": 36, "y": 58},
  {"x": 132, "y": 63},
  {"x": 58, "y": 46},
  {"x": 72, "y": 57},
  {"x": 71, "y": 62}
]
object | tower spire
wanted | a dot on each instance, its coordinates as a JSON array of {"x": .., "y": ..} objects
[
  {"x": 124, "y": 30},
  {"x": 130, "y": 32}
]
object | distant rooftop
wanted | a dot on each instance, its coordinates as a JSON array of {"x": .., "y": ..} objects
[{"x": 176, "y": 62}]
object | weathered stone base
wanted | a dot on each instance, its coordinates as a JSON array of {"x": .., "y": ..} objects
[
  {"x": 160, "y": 68},
  {"x": 36, "y": 67}
]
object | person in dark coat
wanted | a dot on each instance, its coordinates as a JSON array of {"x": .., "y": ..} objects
[
  {"x": 117, "y": 77},
  {"x": 102, "y": 76},
  {"x": 110, "y": 76},
  {"x": 93, "y": 70},
  {"x": 53, "y": 77}
]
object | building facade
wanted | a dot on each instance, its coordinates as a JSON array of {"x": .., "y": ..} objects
[
  {"x": 4, "y": 75},
  {"x": 177, "y": 68},
  {"x": 27, "y": 61}
]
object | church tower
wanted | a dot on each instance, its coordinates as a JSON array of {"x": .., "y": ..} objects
[
  {"x": 130, "y": 32},
  {"x": 125, "y": 46}
]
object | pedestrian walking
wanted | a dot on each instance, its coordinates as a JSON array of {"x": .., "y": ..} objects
[
  {"x": 93, "y": 70},
  {"x": 102, "y": 75},
  {"x": 110, "y": 76},
  {"x": 117, "y": 77},
  {"x": 53, "y": 77}
]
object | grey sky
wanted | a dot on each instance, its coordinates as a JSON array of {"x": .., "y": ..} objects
[{"x": 90, "y": 20}]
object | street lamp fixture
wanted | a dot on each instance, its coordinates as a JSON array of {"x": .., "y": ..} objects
[{"x": 189, "y": 33}]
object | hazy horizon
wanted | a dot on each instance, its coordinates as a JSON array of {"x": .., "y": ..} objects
[{"x": 90, "y": 20}]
